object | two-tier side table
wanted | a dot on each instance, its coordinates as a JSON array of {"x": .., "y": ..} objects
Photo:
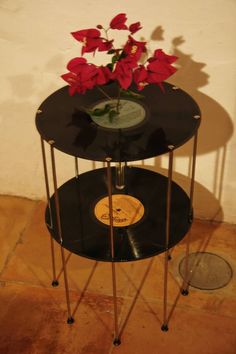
[{"x": 120, "y": 212}]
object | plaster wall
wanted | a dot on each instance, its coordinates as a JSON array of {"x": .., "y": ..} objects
[{"x": 36, "y": 45}]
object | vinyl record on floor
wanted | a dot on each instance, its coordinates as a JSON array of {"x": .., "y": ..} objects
[{"x": 139, "y": 212}]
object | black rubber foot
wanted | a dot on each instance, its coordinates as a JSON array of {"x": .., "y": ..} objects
[
  {"x": 55, "y": 283},
  {"x": 169, "y": 257},
  {"x": 185, "y": 292},
  {"x": 70, "y": 320},
  {"x": 116, "y": 341},
  {"x": 164, "y": 328}
]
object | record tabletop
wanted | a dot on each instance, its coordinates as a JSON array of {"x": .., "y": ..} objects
[
  {"x": 139, "y": 212},
  {"x": 164, "y": 118}
]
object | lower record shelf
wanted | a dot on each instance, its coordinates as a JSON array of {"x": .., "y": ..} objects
[{"x": 84, "y": 233}]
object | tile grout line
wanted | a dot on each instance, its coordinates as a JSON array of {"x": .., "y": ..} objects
[
  {"x": 124, "y": 297},
  {"x": 19, "y": 240}
]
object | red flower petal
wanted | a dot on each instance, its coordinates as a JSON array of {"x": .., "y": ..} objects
[
  {"x": 140, "y": 77},
  {"x": 90, "y": 38},
  {"x": 105, "y": 46},
  {"x": 123, "y": 74},
  {"x": 118, "y": 22},
  {"x": 76, "y": 64},
  {"x": 91, "y": 44},
  {"x": 134, "y": 48},
  {"x": 162, "y": 56},
  {"x": 125, "y": 80},
  {"x": 103, "y": 75},
  {"x": 129, "y": 62},
  {"x": 70, "y": 78},
  {"x": 89, "y": 71},
  {"x": 72, "y": 90},
  {"x": 86, "y": 33},
  {"x": 159, "y": 71},
  {"x": 83, "y": 77},
  {"x": 140, "y": 74},
  {"x": 135, "y": 27}
]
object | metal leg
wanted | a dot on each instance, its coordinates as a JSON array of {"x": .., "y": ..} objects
[
  {"x": 54, "y": 278},
  {"x": 193, "y": 169},
  {"x": 185, "y": 287},
  {"x": 116, "y": 340},
  {"x": 70, "y": 319},
  {"x": 76, "y": 168},
  {"x": 164, "y": 327},
  {"x": 57, "y": 206}
]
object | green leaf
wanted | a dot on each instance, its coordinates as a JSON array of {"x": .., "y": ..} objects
[
  {"x": 129, "y": 93},
  {"x": 114, "y": 59},
  {"x": 111, "y": 51},
  {"x": 123, "y": 55},
  {"x": 110, "y": 66},
  {"x": 101, "y": 111},
  {"x": 112, "y": 115}
]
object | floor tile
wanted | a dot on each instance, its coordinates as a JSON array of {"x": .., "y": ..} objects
[
  {"x": 35, "y": 322},
  {"x": 31, "y": 261},
  {"x": 14, "y": 217},
  {"x": 189, "y": 332}
]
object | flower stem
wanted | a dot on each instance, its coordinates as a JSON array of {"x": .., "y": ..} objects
[
  {"x": 118, "y": 101},
  {"x": 104, "y": 93},
  {"x": 106, "y": 30}
]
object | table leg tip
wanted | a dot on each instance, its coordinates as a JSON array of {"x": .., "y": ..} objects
[
  {"x": 164, "y": 328},
  {"x": 70, "y": 320},
  {"x": 55, "y": 283},
  {"x": 185, "y": 292},
  {"x": 116, "y": 341}
]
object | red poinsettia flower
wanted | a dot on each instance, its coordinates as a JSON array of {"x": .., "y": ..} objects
[
  {"x": 135, "y": 27},
  {"x": 75, "y": 65},
  {"x": 159, "y": 71},
  {"x": 160, "y": 55},
  {"x": 90, "y": 38},
  {"x": 82, "y": 76},
  {"x": 71, "y": 79},
  {"x": 105, "y": 45},
  {"x": 159, "y": 67},
  {"x": 118, "y": 22},
  {"x": 103, "y": 75},
  {"x": 141, "y": 77},
  {"x": 134, "y": 48},
  {"x": 124, "y": 71}
]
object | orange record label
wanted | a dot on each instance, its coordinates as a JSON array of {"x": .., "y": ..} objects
[{"x": 126, "y": 210}]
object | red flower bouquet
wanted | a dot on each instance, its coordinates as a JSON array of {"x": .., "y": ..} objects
[{"x": 124, "y": 66}]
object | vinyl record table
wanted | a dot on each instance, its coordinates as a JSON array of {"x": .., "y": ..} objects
[{"x": 118, "y": 213}]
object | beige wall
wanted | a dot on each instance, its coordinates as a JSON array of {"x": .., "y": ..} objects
[{"x": 36, "y": 45}]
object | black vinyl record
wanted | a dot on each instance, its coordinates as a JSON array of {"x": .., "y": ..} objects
[
  {"x": 84, "y": 234},
  {"x": 171, "y": 118}
]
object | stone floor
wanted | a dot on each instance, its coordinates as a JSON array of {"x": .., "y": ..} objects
[{"x": 33, "y": 314}]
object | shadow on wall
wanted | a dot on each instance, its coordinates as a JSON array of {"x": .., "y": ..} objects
[
  {"x": 216, "y": 127},
  {"x": 201, "y": 195},
  {"x": 190, "y": 77}
]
